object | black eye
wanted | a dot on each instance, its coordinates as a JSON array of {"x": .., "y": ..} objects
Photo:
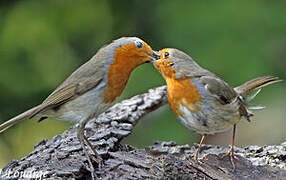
[
  {"x": 139, "y": 44},
  {"x": 166, "y": 54},
  {"x": 172, "y": 64}
]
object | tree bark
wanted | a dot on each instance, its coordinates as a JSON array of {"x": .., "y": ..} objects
[{"x": 62, "y": 157}]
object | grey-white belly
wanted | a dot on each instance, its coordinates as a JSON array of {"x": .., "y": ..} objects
[
  {"x": 212, "y": 117},
  {"x": 88, "y": 105}
]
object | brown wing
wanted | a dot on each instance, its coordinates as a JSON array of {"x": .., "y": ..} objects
[
  {"x": 85, "y": 78},
  {"x": 66, "y": 94},
  {"x": 224, "y": 93},
  {"x": 219, "y": 88}
]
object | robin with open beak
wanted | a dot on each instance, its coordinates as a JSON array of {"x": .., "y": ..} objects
[
  {"x": 202, "y": 101},
  {"x": 92, "y": 88}
]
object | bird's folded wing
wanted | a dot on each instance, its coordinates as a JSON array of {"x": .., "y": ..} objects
[
  {"x": 67, "y": 93},
  {"x": 219, "y": 89}
]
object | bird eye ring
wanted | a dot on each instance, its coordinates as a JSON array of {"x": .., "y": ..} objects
[
  {"x": 139, "y": 44},
  {"x": 166, "y": 54}
]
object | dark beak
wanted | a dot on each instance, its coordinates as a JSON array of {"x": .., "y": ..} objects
[{"x": 155, "y": 56}]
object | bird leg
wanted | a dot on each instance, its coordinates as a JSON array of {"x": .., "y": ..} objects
[
  {"x": 98, "y": 157},
  {"x": 81, "y": 137},
  {"x": 198, "y": 149},
  {"x": 230, "y": 153}
]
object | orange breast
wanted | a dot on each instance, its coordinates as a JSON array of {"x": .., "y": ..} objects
[
  {"x": 119, "y": 72},
  {"x": 182, "y": 92}
]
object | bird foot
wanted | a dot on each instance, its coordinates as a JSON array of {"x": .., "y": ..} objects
[
  {"x": 231, "y": 156},
  {"x": 193, "y": 160}
]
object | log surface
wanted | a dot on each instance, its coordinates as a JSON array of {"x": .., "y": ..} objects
[{"x": 62, "y": 157}]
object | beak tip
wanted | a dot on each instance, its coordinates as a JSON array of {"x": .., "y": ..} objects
[{"x": 156, "y": 55}]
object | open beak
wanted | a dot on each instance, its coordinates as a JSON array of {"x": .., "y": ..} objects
[{"x": 155, "y": 56}]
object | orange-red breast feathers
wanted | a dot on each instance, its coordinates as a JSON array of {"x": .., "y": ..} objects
[
  {"x": 126, "y": 59},
  {"x": 180, "y": 90}
]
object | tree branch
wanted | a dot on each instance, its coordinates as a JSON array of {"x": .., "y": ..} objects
[{"x": 62, "y": 156}]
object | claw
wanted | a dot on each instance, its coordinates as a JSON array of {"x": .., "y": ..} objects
[
  {"x": 231, "y": 156},
  {"x": 230, "y": 153}
]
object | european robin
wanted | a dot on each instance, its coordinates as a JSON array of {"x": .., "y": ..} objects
[
  {"x": 92, "y": 88},
  {"x": 202, "y": 101}
]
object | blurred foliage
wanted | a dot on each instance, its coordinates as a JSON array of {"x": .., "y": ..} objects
[{"x": 42, "y": 42}]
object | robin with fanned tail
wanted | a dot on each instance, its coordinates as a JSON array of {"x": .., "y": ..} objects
[
  {"x": 201, "y": 100},
  {"x": 92, "y": 88}
]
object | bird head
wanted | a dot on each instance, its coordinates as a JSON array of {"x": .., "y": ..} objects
[
  {"x": 176, "y": 64},
  {"x": 133, "y": 51}
]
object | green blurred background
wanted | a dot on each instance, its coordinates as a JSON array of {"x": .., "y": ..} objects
[{"x": 42, "y": 42}]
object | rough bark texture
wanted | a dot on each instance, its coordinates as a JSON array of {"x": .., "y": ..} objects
[{"x": 62, "y": 158}]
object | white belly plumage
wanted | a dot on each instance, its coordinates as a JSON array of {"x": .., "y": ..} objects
[{"x": 211, "y": 118}]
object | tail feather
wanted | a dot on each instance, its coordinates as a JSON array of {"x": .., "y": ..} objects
[
  {"x": 17, "y": 119},
  {"x": 256, "y": 107},
  {"x": 249, "y": 91},
  {"x": 256, "y": 84}
]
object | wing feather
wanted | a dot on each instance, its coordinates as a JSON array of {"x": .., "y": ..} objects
[
  {"x": 85, "y": 78},
  {"x": 220, "y": 89}
]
